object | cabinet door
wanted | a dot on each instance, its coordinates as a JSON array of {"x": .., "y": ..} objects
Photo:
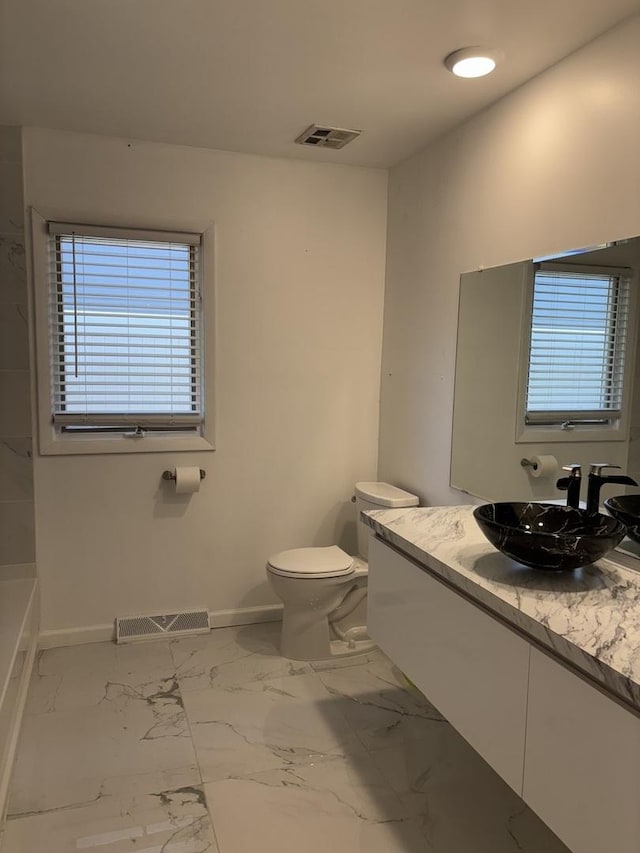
[
  {"x": 469, "y": 665},
  {"x": 582, "y": 761}
]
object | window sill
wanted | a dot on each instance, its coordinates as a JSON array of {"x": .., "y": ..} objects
[
  {"x": 527, "y": 434},
  {"x": 75, "y": 445}
]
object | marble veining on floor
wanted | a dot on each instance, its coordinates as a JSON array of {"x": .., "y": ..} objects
[{"x": 217, "y": 743}]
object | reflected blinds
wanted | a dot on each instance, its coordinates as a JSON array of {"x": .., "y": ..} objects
[
  {"x": 577, "y": 345},
  {"x": 125, "y": 328}
]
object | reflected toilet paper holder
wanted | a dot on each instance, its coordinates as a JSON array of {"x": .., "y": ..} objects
[
  {"x": 171, "y": 475},
  {"x": 540, "y": 466}
]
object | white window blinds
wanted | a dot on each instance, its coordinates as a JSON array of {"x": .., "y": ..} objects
[
  {"x": 125, "y": 319},
  {"x": 577, "y": 344}
]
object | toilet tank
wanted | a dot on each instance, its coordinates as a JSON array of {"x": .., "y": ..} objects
[{"x": 377, "y": 496}]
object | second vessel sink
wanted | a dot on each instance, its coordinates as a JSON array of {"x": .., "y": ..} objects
[
  {"x": 626, "y": 508},
  {"x": 548, "y": 536}
]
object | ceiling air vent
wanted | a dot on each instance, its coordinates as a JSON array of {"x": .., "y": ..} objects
[{"x": 327, "y": 137}]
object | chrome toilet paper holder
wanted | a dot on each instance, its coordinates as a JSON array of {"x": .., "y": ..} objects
[{"x": 171, "y": 475}]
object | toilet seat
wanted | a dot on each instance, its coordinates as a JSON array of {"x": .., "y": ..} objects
[{"x": 329, "y": 562}]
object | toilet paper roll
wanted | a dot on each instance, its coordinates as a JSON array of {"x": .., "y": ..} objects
[
  {"x": 187, "y": 479},
  {"x": 543, "y": 466}
]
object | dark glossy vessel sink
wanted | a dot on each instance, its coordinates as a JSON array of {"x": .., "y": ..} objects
[
  {"x": 548, "y": 536},
  {"x": 626, "y": 509}
]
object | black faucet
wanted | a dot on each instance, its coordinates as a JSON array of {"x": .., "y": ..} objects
[
  {"x": 571, "y": 484},
  {"x": 597, "y": 480}
]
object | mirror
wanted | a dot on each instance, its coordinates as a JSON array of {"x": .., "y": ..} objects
[{"x": 490, "y": 433}]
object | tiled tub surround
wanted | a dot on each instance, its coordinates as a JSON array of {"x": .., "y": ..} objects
[
  {"x": 17, "y": 537},
  {"x": 589, "y": 617},
  {"x": 217, "y": 743}
]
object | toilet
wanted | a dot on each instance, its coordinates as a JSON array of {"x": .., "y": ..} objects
[{"x": 321, "y": 588}]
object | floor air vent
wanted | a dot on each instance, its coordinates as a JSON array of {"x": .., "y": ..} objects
[
  {"x": 327, "y": 137},
  {"x": 131, "y": 629}
]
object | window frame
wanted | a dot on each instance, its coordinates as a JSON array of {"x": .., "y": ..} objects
[
  {"x": 52, "y": 439},
  {"x": 615, "y": 429}
]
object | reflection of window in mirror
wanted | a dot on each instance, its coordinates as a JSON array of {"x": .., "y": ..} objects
[
  {"x": 577, "y": 347},
  {"x": 495, "y": 386},
  {"x": 577, "y": 341}
]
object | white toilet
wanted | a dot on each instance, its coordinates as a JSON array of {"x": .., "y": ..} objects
[{"x": 321, "y": 587}]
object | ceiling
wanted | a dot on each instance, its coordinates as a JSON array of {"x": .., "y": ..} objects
[{"x": 250, "y": 75}]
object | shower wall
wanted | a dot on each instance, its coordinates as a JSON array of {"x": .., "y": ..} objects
[{"x": 17, "y": 537}]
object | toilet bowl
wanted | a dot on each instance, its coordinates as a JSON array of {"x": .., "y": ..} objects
[{"x": 321, "y": 588}]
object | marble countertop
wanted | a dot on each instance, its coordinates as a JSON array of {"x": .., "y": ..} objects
[{"x": 589, "y": 617}]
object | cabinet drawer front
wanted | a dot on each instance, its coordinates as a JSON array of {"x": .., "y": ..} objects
[
  {"x": 582, "y": 761},
  {"x": 470, "y": 666}
]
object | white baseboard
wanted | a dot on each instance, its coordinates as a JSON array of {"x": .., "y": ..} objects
[
  {"x": 245, "y": 616},
  {"x": 76, "y": 636},
  {"x": 103, "y": 633}
]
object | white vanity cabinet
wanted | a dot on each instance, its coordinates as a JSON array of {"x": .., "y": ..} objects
[
  {"x": 567, "y": 747},
  {"x": 582, "y": 761},
  {"x": 470, "y": 666}
]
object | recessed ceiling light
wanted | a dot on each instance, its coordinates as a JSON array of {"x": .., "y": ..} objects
[{"x": 471, "y": 61}]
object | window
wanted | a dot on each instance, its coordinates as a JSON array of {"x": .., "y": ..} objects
[
  {"x": 577, "y": 345},
  {"x": 125, "y": 338}
]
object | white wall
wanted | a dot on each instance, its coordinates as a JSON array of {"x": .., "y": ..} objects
[
  {"x": 551, "y": 167},
  {"x": 299, "y": 289}
]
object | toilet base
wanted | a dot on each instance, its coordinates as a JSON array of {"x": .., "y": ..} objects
[
  {"x": 305, "y": 637},
  {"x": 332, "y": 649}
]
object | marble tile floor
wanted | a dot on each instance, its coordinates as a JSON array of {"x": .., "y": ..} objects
[{"x": 219, "y": 744}]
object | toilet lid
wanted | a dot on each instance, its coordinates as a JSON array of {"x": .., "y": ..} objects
[{"x": 327, "y": 562}]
